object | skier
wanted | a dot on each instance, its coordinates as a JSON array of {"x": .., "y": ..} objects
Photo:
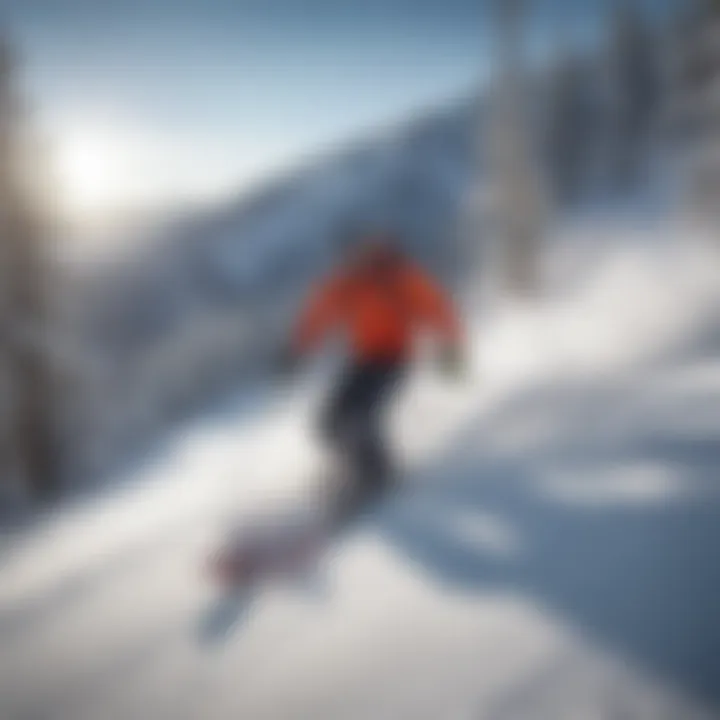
[{"x": 380, "y": 301}]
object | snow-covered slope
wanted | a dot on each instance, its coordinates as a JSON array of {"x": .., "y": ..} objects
[{"x": 553, "y": 556}]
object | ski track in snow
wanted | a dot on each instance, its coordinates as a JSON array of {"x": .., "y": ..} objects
[{"x": 554, "y": 555}]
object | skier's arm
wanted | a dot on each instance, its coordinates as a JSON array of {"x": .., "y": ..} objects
[
  {"x": 321, "y": 313},
  {"x": 433, "y": 307}
]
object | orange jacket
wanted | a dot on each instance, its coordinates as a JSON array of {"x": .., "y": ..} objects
[{"x": 379, "y": 310}]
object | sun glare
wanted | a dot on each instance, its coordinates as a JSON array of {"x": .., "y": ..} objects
[
  {"x": 92, "y": 165},
  {"x": 109, "y": 170}
]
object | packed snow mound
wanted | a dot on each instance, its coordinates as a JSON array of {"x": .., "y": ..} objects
[{"x": 615, "y": 296}]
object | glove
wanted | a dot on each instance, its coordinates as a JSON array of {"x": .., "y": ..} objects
[{"x": 452, "y": 362}]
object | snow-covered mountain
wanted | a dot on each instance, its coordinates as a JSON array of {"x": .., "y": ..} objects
[
  {"x": 208, "y": 298},
  {"x": 409, "y": 178}
]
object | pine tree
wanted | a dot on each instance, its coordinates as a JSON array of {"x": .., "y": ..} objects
[
  {"x": 634, "y": 87},
  {"x": 519, "y": 192},
  {"x": 28, "y": 446},
  {"x": 571, "y": 124},
  {"x": 696, "y": 104}
]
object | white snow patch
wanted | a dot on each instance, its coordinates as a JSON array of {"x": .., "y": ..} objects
[{"x": 641, "y": 483}]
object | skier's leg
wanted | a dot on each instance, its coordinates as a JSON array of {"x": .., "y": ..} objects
[
  {"x": 337, "y": 416},
  {"x": 352, "y": 424},
  {"x": 337, "y": 429},
  {"x": 372, "y": 459}
]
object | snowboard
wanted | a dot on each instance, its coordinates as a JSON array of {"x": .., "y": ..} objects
[
  {"x": 259, "y": 553},
  {"x": 283, "y": 545}
]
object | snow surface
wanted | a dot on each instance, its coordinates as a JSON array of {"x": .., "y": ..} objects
[{"x": 554, "y": 555}]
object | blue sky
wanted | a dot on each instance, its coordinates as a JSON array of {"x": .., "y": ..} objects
[{"x": 210, "y": 94}]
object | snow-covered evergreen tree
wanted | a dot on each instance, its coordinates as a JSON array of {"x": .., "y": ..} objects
[
  {"x": 571, "y": 125},
  {"x": 633, "y": 92},
  {"x": 696, "y": 105},
  {"x": 518, "y": 188},
  {"x": 28, "y": 448}
]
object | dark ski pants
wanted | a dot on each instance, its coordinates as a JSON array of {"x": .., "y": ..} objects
[{"x": 353, "y": 421}]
